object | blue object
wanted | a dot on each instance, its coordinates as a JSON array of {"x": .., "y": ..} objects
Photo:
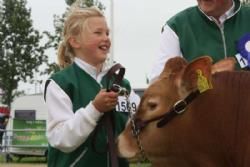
[{"x": 241, "y": 47}]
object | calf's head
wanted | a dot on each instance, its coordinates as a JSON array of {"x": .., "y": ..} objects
[{"x": 177, "y": 80}]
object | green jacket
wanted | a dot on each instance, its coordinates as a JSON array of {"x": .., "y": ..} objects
[
  {"x": 199, "y": 36},
  {"x": 81, "y": 89}
]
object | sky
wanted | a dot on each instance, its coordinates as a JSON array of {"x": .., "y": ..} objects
[{"x": 135, "y": 31}]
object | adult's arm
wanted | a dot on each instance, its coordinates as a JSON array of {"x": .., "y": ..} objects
[{"x": 169, "y": 47}]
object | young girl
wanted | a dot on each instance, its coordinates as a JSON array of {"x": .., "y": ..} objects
[{"x": 76, "y": 95}]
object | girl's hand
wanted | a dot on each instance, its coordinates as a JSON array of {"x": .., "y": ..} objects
[{"x": 105, "y": 101}]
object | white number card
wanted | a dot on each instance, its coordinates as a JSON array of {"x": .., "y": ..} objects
[
  {"x": 241, "y": 60},
  {"x": 123, "y": 106}
]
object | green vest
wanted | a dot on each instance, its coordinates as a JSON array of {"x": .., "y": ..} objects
[
  {"x": 81, "y": 89},
  {"x": 199, "y": 36}
]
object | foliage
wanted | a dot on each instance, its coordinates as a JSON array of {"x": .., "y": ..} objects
[
  {"x": 20, "y": 50},
  {"x": 55, "y": 38},
  {"x": 245, "y": 1},
  {"x": 87, "y": 3}
]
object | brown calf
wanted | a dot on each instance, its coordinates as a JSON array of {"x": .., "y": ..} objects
[{"x": 214, "y": 130}]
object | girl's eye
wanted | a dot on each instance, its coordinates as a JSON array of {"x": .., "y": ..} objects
[{"x": 98, "y": 32}]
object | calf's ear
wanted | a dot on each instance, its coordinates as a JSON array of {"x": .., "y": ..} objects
[
  {"x": 173, "y": 66},
  {"x": 196, "y": 75}
]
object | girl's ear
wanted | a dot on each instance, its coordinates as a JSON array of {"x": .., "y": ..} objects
[{"x": 74, "y": 43}]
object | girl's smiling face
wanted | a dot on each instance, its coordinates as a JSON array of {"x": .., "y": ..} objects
[{"x": 94, "y": 43}]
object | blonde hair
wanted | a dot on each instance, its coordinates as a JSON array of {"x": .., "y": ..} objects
[{"x": 74, "y": 25}]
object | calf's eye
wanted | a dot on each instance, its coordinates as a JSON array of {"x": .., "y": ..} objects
[{"x": 152, "y": 105}]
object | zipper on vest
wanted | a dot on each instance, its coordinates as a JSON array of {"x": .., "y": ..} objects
[
  {"x": 223, "y": 40},
  {"x": 79, "y": 157},
  {"x": 221, "y": 28}
]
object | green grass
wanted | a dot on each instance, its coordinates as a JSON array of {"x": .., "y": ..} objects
[
  {"x": 141, "y": 165},
  {"x": 41, "y": 160},
  {"x": 35, "y": 160}
]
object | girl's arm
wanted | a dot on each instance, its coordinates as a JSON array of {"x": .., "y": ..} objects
[{"x": 67, "y": 130}]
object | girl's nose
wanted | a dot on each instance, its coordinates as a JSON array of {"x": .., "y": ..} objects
[{"x": 106, "y": 37}]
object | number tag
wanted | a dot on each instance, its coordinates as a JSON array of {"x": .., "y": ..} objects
[
  {"x": 122, "y": 105},
  {"x": 241, "y": 60}
]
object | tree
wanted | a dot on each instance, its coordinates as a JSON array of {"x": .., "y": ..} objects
[
  {"x": 87, "y": 3},
  {"x": 245, "y": 1},
  {"x": 55, "y": 38},
  {"x": 21, "y": 53}
]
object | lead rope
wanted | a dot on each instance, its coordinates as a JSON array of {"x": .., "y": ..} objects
[
  {"x": 135, "y": 133},
  {"x": 117, "y": 73}
]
